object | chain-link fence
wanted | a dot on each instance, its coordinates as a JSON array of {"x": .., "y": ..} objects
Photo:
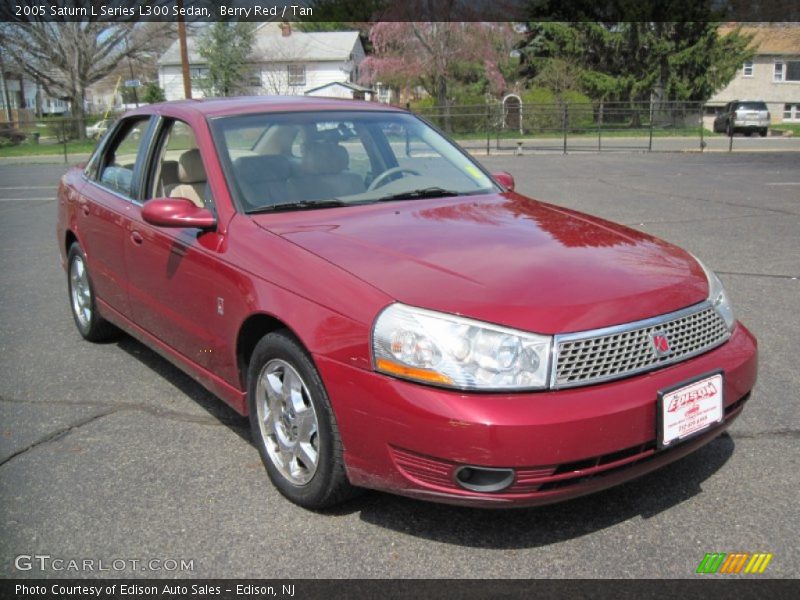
[
  {"x": 565, "y": 127},
  {"x": 491, "y": 128},
  {"x": 28, "y": 135}
]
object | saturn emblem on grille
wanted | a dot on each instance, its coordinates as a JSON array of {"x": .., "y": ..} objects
[{"x": 660, "y": 343}]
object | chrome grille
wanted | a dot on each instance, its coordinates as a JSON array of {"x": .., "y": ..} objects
[{"x": 606, "y": 354}]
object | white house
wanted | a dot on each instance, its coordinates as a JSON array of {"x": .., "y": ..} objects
[
  {"x": 773, "y": 75},
  {"x": 20, "y": 92},
  {"x": 284, "y": 62}
]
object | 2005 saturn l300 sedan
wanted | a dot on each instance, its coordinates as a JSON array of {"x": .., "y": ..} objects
[{"x": 390, "y": 315}]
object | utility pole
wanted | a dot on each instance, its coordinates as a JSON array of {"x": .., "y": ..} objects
[
  {"x": 130, "y": 68},
  {"x": 6, "y": 97},
  {"x": 187, "y": 82}
]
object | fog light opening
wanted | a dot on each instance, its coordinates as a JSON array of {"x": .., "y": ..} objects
[{"x": 484, "y": 479}]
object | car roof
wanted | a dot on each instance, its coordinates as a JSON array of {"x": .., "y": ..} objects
[{"x": 219, "y": 107}]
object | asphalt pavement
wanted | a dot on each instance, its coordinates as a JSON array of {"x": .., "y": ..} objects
[{"x": 107, "y": 452}]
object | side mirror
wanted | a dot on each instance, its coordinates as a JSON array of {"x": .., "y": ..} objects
[
  {"x": 177, "y": 212},
  {"x": 505, "y": 179}
]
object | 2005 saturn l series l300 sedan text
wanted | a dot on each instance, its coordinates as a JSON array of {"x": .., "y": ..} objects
[{"x": 388, "y": 314}]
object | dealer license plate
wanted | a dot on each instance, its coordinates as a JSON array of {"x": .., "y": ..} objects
[{"x": 689, "y": 409}]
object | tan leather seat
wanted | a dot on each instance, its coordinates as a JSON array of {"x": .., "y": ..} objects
[
  {"x": 191, "y": 177},
  {"x": 324, "y": 174},
  {"x": 169, "y": 176},
  {"x": 262, "y": 180}
]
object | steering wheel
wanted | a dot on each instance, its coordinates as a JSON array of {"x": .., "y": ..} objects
[{"x": 379, "y": 180}]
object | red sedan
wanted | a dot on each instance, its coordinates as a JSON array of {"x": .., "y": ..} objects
[{"x": 390, "y": 315}]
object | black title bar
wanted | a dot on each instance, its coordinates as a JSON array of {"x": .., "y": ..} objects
[{"x": 361, "y": 11}]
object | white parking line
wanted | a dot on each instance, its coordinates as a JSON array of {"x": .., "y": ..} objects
[
  {"x": 784, "y": 183},
  {"x": 30, "y": 187},
  {"x": 25, "y": 199}
]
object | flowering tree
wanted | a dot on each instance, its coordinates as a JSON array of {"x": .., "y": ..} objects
[{"x": 433, "y": 55}]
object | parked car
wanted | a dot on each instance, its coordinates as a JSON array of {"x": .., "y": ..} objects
[
  {"x": 96, "y": 131},
  {"x": 389, "y": 314},
  {"x": 745, "y": 116},
  {"x": 10, "y": 134}
]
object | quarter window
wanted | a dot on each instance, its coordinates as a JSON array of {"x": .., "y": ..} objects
[{"x": 119, "y": 161}]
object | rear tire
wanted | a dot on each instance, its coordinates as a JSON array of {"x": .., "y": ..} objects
[
  {"x": 293, "y": 425},
  {"x": 763, "y": 132},
  {"x": 90, "y": 324}
]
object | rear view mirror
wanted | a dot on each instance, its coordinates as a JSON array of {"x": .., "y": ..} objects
[{"x": 505, "y": 179}]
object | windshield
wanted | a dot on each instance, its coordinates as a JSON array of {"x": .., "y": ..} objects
[{"x": 320, "y": 159}]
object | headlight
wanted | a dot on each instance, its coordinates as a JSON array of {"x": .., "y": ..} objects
[
  {"x": 446, "y": 350},
  {"x": 718, "y": 297}
]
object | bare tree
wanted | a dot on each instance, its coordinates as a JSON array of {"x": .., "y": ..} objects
[
  {"x": 66, "y": 58},
  {"x": 275, "y": 73}
]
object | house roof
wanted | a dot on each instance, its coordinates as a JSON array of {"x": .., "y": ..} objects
[
  {"x": 346, "y": 84},
  {"x": 271, "y": 46},
  {"x": 770, "y": 39}
]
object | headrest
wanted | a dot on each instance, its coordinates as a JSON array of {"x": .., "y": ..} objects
[
  {"x": 190, "y": 167},
  {"x": 262, "y": 168},
  {"x": 169, "y": 171},
  {"x": 324, "y": 159}
]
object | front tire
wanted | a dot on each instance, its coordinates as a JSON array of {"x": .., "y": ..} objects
[
  {"x": 90, "y": 324},
  {"x": 763, "y": 132},
  {"x": 293, "y": 425}
]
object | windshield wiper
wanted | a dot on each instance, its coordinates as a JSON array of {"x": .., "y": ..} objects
[
  {"x": 298, "y": 205},
  {"x": 428, "y": 192}
]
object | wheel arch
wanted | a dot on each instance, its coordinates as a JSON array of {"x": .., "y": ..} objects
[
  {"x": 69, "y": 239},
  {"x": 253, "y": 328}
]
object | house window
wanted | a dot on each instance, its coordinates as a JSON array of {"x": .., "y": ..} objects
[
  {"x": 254, "y": 79},
  {"x": 297, "y": 74},
  {"x": 747, "y": 69},
  {"x": 792, "y": 70},
  {"x": 787, "y": 71},
  {"x": 196, "y": 73},
  {"x": 791, "y": 112},
  {"x": 384, "y": 93}
]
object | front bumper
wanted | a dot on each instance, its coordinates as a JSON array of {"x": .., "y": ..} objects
[{"x": 410, "y": 439}]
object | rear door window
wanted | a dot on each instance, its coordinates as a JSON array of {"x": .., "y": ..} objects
[{"x": 119, "y": 160}]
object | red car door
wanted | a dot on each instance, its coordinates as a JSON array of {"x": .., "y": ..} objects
[
  {"x": 103, "y": 212},
  {"x": 175, "y": 279}
]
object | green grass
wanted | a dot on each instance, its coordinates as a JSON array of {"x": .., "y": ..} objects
[
  {"x": 30, "y": 149},
  {"x": 793, "y": 127}
]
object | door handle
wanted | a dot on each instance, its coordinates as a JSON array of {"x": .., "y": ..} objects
[
  {"x": 137, "y": 238},
  {"x": 85, "y": 208}
]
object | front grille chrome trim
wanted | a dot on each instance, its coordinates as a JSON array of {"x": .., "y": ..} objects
[{"x": 717, "y": 332}]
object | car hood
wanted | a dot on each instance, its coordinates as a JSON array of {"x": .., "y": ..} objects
[{"x": 501, "y": 258}]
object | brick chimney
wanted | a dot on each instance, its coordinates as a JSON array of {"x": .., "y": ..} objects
[{"x": 286, "y": 29}]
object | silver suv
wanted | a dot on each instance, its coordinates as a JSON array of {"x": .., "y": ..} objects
[{"x": 746, "y": 116}]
